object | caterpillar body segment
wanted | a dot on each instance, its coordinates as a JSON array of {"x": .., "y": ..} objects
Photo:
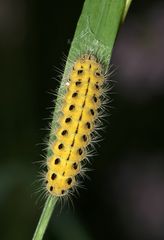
[{"x": 76, "y": 124}]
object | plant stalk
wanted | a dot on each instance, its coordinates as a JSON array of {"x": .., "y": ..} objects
[
  {"x": 96, "y": 31},
  {"x": 44, "y": 218}
]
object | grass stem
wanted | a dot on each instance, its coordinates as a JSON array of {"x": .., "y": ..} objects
[
  {"x": 44, "y": 218},
  {"x": 97, "y": 29}
]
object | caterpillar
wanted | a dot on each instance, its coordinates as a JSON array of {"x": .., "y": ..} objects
[{"x": 76, "y": 123}]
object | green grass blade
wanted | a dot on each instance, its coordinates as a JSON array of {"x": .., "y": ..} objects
[
  {"x": 97, "y": 28},
  {"x": 96, "y": 32},
  {"x": 127, "y": 6},
  {"x": 44, "y": 219}
]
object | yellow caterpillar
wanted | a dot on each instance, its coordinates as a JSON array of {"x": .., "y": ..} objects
[{"x": 79, "y": 111}]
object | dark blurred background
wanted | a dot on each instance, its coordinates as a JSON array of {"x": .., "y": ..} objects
[{"x": 124, "y": 198}]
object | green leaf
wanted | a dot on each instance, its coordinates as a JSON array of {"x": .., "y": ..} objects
[{"x": 96, "y": 32}]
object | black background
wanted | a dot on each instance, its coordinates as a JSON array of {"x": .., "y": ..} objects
[{"x": 124, "y": 196}]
